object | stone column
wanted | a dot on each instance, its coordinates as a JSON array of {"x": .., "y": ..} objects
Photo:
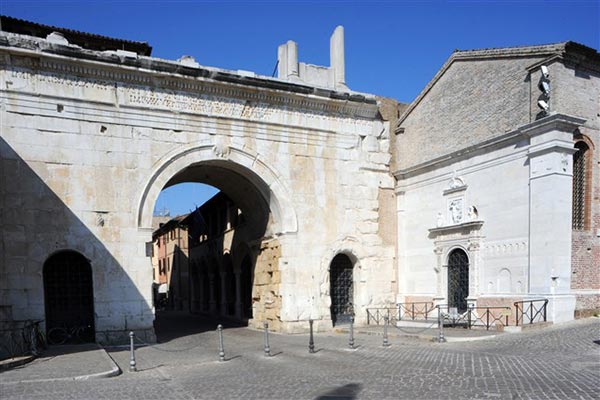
[
  {"x": 200, "y": 291},
  {"x": 238, "y": 295},
  {"x": 474, "y": 256},
  {"x": 223, "y": 293},
  {"x": 550, "y": 197},
  {"x": 441, "y": 271},
  {"x": 401, "y": 246},
  {"x": 336, "y": 54},
  {"x": 287, "y": 57},
  {"x": 212, "y": 303}
]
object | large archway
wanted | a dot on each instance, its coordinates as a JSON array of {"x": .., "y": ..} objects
[
  {"x": 69, "y": 296},
  {"x": 224, "y": 237},
  {"x": 211, "y": 164}
]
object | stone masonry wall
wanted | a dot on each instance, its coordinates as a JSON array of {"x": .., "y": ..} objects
[
  {"x": 266, "y": 295},
  {"x": 85, "y": 143}
]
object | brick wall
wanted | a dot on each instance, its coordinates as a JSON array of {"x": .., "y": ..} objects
[
  {"x": 472, "y": 101},
  {"x": 585, "y": 256}
]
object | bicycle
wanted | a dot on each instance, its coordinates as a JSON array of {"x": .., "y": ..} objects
[
  {"x": 61, "y": 335},
  {"x": 36, "y": 341}
]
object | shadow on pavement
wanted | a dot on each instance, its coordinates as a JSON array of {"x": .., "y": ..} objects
[
  {"x": 346, "y": 392},
  {"x": 170, "y": 325}
]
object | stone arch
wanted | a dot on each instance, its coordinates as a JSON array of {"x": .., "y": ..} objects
[
  {"x": 455, "y": 247},
  {"x": 249, "y": 166},
  {"x": 504, "y": 281},
  {"x": 355, "y": 251}
]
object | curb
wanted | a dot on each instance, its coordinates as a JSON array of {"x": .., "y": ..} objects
[
  {"x": 114, "y": 371},
  {"x": 16, "y": 362},
  {"x": 427, "y": 338}
]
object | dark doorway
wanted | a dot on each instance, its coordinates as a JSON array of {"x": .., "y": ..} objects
[
  {"x": 341, "y": 290},
  {"x": 69, "y": 296},
  {"x": 458, "y": 280},
  {"x": 246, "y": 287}
]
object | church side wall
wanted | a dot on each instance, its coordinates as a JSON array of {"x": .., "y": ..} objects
[{"x": 496, "y": 184}]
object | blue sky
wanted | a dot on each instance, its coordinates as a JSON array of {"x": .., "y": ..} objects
[{"x": 393, "y": 48}]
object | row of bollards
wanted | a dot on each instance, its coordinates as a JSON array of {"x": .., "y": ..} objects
[{"x": 311, "y": 339}]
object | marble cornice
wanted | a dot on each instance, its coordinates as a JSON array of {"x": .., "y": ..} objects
[
  {"x": 558, "y": 122},
  {"x": 157, "y": 74}
]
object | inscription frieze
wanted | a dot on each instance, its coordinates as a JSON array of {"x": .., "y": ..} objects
[
  {"x": 60, "y": 79},
  {"x": 111, "y": 91}
]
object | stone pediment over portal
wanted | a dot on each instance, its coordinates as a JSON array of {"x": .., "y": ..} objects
[{"x": 456, "y": 231}]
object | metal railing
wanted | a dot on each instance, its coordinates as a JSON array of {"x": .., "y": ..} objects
[
  {"x": 25, "y": 338},
  {"x": 489, "y": 316},
  {"x": 416, "y": 311},
  {"x": 486, "y": 317},
  {"x": 455, "y": 317},
  {"x": 530, "y": 311},
  {"x": 377, "y": 315}
]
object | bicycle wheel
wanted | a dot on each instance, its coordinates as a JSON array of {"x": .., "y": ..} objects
[
  {"x": 57, "y": 336},
  {"x": 40, "y": 338},
  {"x": 84, "y": 334}
]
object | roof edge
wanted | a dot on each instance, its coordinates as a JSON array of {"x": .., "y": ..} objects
[{"x": 555, "y": 49}]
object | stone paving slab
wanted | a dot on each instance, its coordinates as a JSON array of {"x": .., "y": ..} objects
[
  {"x": 560, "y": 362},
  {"x": 68, "y": 362}
]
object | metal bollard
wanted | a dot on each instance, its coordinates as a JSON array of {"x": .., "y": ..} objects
[
  {"x": 385, "y": 331},
  {"x": 441, "y": 338},
  {"x": 311, "y": 340},
  {"x": 221, "y": 348},
  {"x": 351, "y": 339},
  {"x": 132, "y": 352},
  {"x": 267, "y": 348}
]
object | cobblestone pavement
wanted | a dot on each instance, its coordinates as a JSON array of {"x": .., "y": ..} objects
[{"x": 560, "y": 362}]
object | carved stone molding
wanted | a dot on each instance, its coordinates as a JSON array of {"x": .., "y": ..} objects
[
  {"x": 221, "y": 150},
  {"x": 464, "y": 228},
  {"x": 113, "y": 75}
]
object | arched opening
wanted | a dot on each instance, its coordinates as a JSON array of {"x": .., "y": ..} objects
[
  {"x": 458, "y": 280},
  {"x": 341, "y": 289},
  {"x": 69, "y": 297},
  {"x": 582, "y": 162},
  {"x": 218, "y": 243}
]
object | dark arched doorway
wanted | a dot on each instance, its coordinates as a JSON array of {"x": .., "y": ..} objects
[
  {"x": 458, "y": 280},
  {"x": 341, "y": 289},
  {"x": 69, "y": 295}
]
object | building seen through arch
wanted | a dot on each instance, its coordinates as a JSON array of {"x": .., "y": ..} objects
[{"x": 202, "y": 261}]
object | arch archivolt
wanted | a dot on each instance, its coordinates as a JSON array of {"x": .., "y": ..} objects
[
  {"x": 455, "y": 247},
  {"x": 249, "y": 165},
  {"x": 349, "y": 246}
]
